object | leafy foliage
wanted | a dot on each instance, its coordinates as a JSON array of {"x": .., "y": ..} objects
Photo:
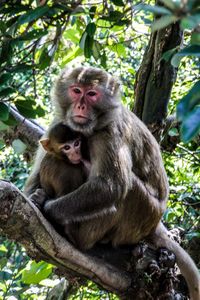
[
  {"x": 188, "y": 14},
  {"x": 37, "y": 38}
]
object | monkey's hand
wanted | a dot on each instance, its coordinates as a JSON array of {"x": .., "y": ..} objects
[{"x": 38, "y": 198}]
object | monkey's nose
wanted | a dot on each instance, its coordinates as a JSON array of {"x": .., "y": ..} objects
[{"x": 81, "y": 106}]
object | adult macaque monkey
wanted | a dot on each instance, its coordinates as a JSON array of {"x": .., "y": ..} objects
[{"x": 125, "y": 195}]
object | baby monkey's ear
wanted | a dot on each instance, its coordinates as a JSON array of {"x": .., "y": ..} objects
[{"x": 46, "y": 144}]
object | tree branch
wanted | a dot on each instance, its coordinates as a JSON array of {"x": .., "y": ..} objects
[
  {"x": 117, "y": 270},
  {"x": 42, "y": 242}
]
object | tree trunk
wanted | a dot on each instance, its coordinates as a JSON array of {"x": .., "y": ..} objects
[{"x": 155, "y": 79}]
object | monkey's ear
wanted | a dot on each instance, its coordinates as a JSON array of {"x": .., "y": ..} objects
[
  {"x": 46, "y": 144},
  {"x": 113, "y": 85}
]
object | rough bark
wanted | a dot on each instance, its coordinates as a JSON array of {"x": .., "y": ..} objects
[
  {"x": 155, "y": 79},
  {"x": 121, "y": 271}
]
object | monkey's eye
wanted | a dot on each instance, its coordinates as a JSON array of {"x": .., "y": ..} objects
[
  {"x": 76, "y": 90},
  {"x": 66, "y": 147},
  {"x": 92, "y": 93},
  {"x": 76, "y": 143}
]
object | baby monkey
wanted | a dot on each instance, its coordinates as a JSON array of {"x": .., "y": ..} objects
[{"x": 64, "y": 168}]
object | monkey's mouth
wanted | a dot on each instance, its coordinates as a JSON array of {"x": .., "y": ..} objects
[
  {"x": 76, "y": 162},
  {"x": 80, "y": 119}
]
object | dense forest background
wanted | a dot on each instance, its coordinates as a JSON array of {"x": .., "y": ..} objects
[{"x": 154, "y": 49}]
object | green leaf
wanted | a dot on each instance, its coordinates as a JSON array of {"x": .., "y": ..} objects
[
  {"x": 169, "y": 54},
  {"x": 19, "y": 146},
  {"x": 96, "y": 50},
  {"x": 104, "y": 60},
  {"x": 3, "y": 127},
  {"x": 36, "y": 272},
  {"x": 77, "y": 51},
  {"x": 6, "y": 51},
  {"x": 90, "y": 29},
  {"x": 123, "y": 22},
  {"x": 3, "y": 287},
  {"x": 20, "y": 68},
  {"x": 7, "y": 91},
  {"x": 118, "y": 2},
  {"x": 189, "y": 101},
  {"x": 82, "y": 40},
  {"x": 4, "y": 78},
  {"x": 2, "y": 144},
  {"x": 193, "y": 50},
  {"x": 4, "y": 112},
  {"x": 45, "y": 59},
  {"x": 92, "y": 11},
  {"x": 11, "y": 121},
  {"x": 195, "y": 38},
  {"x": 113, "y": 16},
  {"x": 34, "y": 34},
  {"x": 3, "y": 260},
  {"x": 33, "y": 15},
  {"x": 26, "y": 108},
  {"x": 191, "y": 125},
  {"x": 156, "y": 9},
  {"x": 190, "y": 22},
  {"x": 72, "y": 35},
  {"x": 119, "y": 49},
  {"x": 164, "y": 22},
  {"x": 88, "y": 46},
  {"x": 40, "y": 111}
]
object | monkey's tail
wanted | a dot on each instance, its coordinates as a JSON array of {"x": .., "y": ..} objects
[{"x": 185, "y": 263}]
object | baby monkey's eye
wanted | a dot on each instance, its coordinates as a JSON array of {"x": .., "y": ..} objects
[
  {"x": 77, "y": 91},
  {"x": 77, "y": 143},
  {"x": 66, "y": 147},
  {"x": 91, "y": 93}
]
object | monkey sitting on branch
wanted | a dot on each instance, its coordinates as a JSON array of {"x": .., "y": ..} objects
[{"x": 125, "y": 195}]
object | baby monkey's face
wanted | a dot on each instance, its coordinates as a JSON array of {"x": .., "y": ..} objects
[{"x": 72, "y": 149}]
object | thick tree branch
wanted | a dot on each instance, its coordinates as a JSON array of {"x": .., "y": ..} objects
[
  {"x": 22, "y": 221},
  {"x": 117, "y": 270}
]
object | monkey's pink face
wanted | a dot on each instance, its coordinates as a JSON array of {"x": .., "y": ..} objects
[{"x": 83, "y": 98}]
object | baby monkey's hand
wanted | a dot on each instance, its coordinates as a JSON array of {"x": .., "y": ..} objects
[{"x": 38, "y": 198}]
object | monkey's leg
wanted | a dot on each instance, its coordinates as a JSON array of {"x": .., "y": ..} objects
[{"x": 89, "y": 232}]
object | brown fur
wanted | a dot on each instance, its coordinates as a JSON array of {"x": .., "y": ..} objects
[{"x": 126, "y": 193}]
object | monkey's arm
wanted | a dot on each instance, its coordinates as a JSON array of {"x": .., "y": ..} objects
[{"x": 95, "y": 197}]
